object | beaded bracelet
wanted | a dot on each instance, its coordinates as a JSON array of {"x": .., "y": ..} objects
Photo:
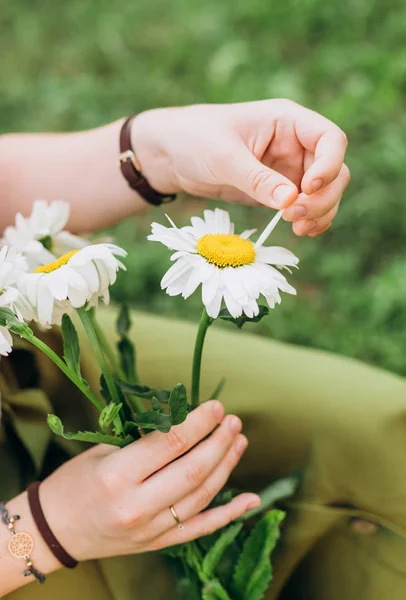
[{"x": 21, "y": 544}]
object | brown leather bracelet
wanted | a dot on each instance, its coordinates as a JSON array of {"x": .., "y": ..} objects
[
  {"x": 131, "y": 169},
  {"x": 38, "y": 515}
]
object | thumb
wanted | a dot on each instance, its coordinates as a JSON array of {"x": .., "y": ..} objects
[{"x": 245, "y": 172}]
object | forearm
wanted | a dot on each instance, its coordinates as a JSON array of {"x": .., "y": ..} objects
[
  {"x": 80, "y": 168},
  {"x": 11, "y": 568}
]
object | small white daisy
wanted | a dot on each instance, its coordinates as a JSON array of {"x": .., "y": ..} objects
[
  {"x": 40, "y": 237},
  {"x": 12, "y": 268},
  {"x": 229, "y": 267},
  {"x": 77, "y": 278}
]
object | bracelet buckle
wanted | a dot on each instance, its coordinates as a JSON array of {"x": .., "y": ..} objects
[{"x": 129, "y": 155}]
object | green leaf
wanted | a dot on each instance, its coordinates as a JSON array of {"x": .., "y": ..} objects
[
  {"x": 108, "y": 414},
  {"x": 215, "y": 395},
  {"x": 126, "y": 351},
  {"x": 178, "y": 404},
  {"x": 215, "y": 554},
  {"x": 143, "y": 391},
  {"x": 156, "y": 405},
  {"x": 213, "y": 590},
  {"x": 253, "y": 572},
  {"x": 71, "y": 350},
  {"x": 9, "y": 320},
  {"x": 123, "y": 321},
  {"x": 279, "y": 490},
  {"x": 240, "y": 321},
  {"x": 153, "y": 420},
  {"x": 174, "y": 551},
  {"x": 93, "y": 437}
]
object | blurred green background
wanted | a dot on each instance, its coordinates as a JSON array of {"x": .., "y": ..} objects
[{"x": 78, "y": 64}]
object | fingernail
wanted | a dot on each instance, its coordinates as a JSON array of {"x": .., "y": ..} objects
[
  {"x": 280, "y": 195},
  {"x": 235, "y": 425},
  {"x": 241, "y": 444},
  {"x": 295, "y": 212},
  {"x": 218, "y": 411},
  {"x": 253, "y": 504},
  {"x": 316, "y": 185},
  {"x": 310, "y": 226}
]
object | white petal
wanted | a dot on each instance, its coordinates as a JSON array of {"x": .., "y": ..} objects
[
  {"x": 231, "y": 279},
  {"x": 209, "y": 219},
  {"x": 195, "y": 279},
  {"x": 6, "y": 341},
  {"x": 199, "y": 225},
  {"x": 57, "y": 284},
  {"x": 247, "y": 233},
  {"x": 222, "y": 222},
  {"x": 276, "y": 255},
  {"x": 45, "y": 302},
  {"x": 213, "y": 308},
  {"x": 90, "y": 275},
  {"x": 178, "y": 269},
  {"x": 210, "y": 287},
  {"x": 77, "y": 297},
  {"x": 233, "y": 307},
  {"x": 73, "y": 278},
  {"x": 174, "y": 239},
  {"x": 9, "y": 297}
]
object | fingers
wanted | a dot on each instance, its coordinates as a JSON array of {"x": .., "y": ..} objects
[
  {"x": 200, "y": 499},
  {"x": 155, "y": 450},
  {"x": 184, "y": 476},
  {"x": 241, "y": 169},
  {"x": 311, "y": 214},
  {"x": 328, "y": 143},
  {"x": 314, "y": 228},
  {"x": 208, "y": 522}
]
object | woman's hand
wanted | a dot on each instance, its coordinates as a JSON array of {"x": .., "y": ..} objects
[
  {"x": 109, "y": 501},
  {"x": 274, "y": 152}
]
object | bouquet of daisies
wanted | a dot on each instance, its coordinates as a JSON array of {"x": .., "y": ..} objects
[{"x": 47, "y": 274}]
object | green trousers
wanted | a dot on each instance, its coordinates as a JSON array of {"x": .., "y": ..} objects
[{"x": 339, "y": 424}]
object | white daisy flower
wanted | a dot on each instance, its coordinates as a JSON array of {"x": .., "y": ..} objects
[
  {"x": 77, "y": 278},
  {"x": 229, "y": 267},
  {"x": 40, "y": 237},
  {"x": 12, "y": 268}
]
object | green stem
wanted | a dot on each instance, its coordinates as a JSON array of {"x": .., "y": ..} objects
[
  {"x": 95, "y": 343},
  {"x": 111, "y": 357},
  {"x": 86, "y": 391},
  {"x": 105, "y": 345},
  {"x": 205, "y": 322}
]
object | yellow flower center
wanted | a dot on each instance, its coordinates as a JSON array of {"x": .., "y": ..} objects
[
  {"x": 56, "y": 264},
  {"x": 226, "y": 250}
]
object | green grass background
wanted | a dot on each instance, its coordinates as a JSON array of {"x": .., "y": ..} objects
[{"x": 78, "y": 64}]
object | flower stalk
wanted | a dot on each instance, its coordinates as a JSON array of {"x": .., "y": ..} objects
[
  {"x": 83, "y": 387},
  {"x": 98, "y": 352},
  {"x": 205, "y": 322},
  {"x": 105, "y": 345}
]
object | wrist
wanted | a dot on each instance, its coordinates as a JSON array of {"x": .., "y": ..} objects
[
  {"x": 148, "y": 141},
  {"x": 12, "y": 568}
]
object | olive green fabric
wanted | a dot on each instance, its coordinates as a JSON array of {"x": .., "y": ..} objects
[{"x": 340, "y": 424}]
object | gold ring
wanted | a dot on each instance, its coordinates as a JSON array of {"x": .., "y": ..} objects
[{"x": 175, "y": 516}]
